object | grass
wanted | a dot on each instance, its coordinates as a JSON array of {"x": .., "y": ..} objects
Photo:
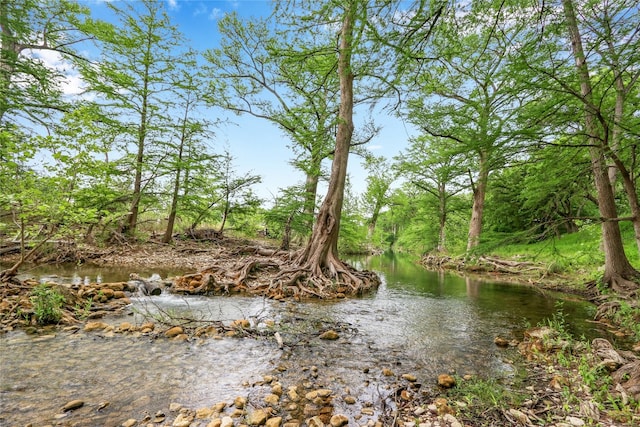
[{"x": 572, "y": 253}]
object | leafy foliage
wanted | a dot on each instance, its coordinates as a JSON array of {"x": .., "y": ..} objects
[{"x": 47, "y": 303}]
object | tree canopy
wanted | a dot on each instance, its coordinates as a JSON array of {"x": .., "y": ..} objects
[{"x": 523, "y": 123}]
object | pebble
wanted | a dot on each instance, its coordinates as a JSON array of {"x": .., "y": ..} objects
[
  {"x": 451, "y": 420},
  {"x": 349, "y": 400},
  {"x": 73, "y": 405},
  {"x": 274, "y": 422},
  {"x": 183, "y": 420},
  {"x": 272, "y": 399},
  {"x": 446, "y": 381},
  {"x": 575, "y": 421},
  {"x": 329, "y": 335},
  {"x": 129, "y": 423},
  {"x": 410, "y": 377},
  {"x": 339, "y": 420},
  {"x": 257, "y": 417},
  {"x": 173, "y": 332}
]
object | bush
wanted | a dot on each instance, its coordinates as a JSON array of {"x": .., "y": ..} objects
[{"x": 47, "y": 304}]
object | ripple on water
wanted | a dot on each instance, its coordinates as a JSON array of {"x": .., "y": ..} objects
[{"x": 133, "y": 375}]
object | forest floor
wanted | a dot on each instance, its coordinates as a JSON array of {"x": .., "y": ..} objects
[{"x": 552, "y": 393}]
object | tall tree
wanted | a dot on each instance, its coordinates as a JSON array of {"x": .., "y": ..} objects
[
  {"x": 186, "y": 152},
  {"x": 38, "y": 40},
  {"x": 133, "y": 77},
  {"x": 619, "y": 273},
  {"x": 465, "y": 96},
  {"x": 31, "y": 31},
  {"x": 287, "y": 78},
  {"x": 379, "y": 179},
  {"x": 272, "y": 76},
  {"x": 438, "y": 172}
]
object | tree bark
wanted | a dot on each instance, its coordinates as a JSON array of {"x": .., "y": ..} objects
[
  {"x": 442, "y": 216},
  {"x": 477, "y": 211},
  {"x": 168, "y": 233},
  {"x": 322, "y": 250},
  {"x": 619, "y": 274}
]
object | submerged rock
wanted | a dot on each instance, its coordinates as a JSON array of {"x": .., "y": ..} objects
[
  {"x": 329, "y": 335},
  {"x": 73, "y": 405}
]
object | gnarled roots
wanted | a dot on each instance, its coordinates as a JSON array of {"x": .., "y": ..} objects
[{"x": 277, "y": 274}]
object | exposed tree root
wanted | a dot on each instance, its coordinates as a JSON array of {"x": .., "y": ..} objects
[
  {"x": 276, "y": 274},
  {"x": 624, "y": 286}
]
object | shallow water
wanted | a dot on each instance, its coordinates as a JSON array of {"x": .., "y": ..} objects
[{"x": 417, "y": 322}]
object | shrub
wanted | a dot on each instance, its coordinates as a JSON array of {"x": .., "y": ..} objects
[{"x": 47, "y": 304}]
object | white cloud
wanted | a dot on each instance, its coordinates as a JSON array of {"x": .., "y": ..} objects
[
  {"x": 216, "y": 13},
  {"x": 173, "y": 4},
  {"x": 71, "y": 82},
  {"x": 374, "y": 147}
]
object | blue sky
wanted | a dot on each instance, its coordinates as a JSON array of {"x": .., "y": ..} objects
[{"x": 258, "y": 146}]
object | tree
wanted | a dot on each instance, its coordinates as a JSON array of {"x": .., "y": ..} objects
[
  {"x": 275, "y": 77},
  {"x": 133, "y": 78},
  {"x": 581, "y": 105},
  {"x": 31, "y": 100},
  {"x": 466, "y": 98},
  {"x": 228, "y": 192},
  {"x": 288, "y": 216},
  {"x": 545, "y": 195},
  {"x": 320, "y": 260},
  {"x": 30, "y": 89},
  {"x": 287, "y": 78},
  {"x": 185, "y": 151},
  {"x": 376, "y": 196},
  {"x": 429, "y": 166},
  {"x": 619, "y": 273}
]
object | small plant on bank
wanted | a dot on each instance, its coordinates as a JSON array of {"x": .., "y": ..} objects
[
  {"x": 586, "y": 376},
  {"x": 628, "y": 317},
  {"x": 47, "y": 304},
  {"x": 485, "y": 399},
  {"x": 82, "y": 312}
]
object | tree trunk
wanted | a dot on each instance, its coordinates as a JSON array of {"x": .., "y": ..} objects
[
  {"x": 310, "y": 192},
  {"x": 442, "y": 217},
  {"x": 142, "y": 135},
  {"x": 168, "y": 233},
  {"x": 477, "y": 211},
  {"x": 619, "y": 274},
  {"x": 321, "y": 253}
]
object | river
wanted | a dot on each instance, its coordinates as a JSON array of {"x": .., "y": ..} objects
[{"x": 417, "y": 322}]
